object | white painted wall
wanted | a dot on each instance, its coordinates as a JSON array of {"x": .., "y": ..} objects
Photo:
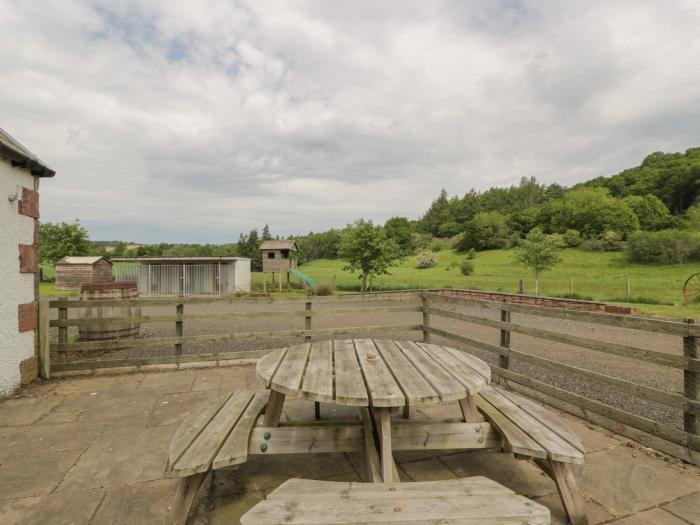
[
  {"x": 15, "y": 288},
  {"x": 239, "y": 276}
]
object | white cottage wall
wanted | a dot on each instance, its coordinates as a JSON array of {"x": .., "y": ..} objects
[{"x": 15, "y": 288}]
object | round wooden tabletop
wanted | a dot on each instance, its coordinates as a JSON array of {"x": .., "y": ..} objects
[{"x": 374, "y": 372}]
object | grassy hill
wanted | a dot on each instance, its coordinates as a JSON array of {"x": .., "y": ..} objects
[{"x": 655, "y": 289}]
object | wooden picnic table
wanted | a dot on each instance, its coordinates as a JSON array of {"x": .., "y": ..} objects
[{"x": 381, "y": 375}]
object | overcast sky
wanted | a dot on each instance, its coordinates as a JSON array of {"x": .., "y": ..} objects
[{"x": 192, "y": 123}]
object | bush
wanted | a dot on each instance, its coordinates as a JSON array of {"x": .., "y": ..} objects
[
  {"x": 486, "y": 231},
  {"x": 426, "y": 260},
  {"x": 572, "y": 238},
  {"x": 324, "y": 289},
  {"x": 666, "y": 246},
  {"x": 435, "y": 247},
  {"x": 608, "y": 242},
  {"x": 466, "y": 267},
  {"x": 471, "y": 254}
]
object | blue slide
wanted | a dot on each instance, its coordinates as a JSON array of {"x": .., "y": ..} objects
[{"x": 308, "y": 280}]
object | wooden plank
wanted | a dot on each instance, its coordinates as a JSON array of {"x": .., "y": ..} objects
[
  {"x": 307, "y": 439},
  {"x": 381, "y": 386},
  {"x": 349, "y": 385},
  {"x": 163, "y": 341},
  {"x": 415, "y": 388},
  {"x": 470, "y": 413},
  {"x": 444, "y": 383},
  {"x": 570, "y": 495},
  {"x": 234, "y": 451},
  {"x": 186, "y": 492},
  {"x": 481, "y": 345},
  {"x": 44, "y": 354},
  {"x": 384, "y": 431},
  {"x": 307, "y": 489},
  {"x": 547, "y": 418},
  {"x": 274, "y": 409},
  {"x": 191, "y": 428},
  {"x": 201, "y": 453},
  {"x": 268, "y": 365},
  {"x": 290, "y": 373},
  {"x": 419, "y": 435},
  {"x": 474, "y": 362},
  {"x": 463, "y": 371},
  {"x": 373, "y": 464},
  {"x": 404, "y": 510},
  {"x": 515, "y": 440},
  {"x": 557, "y": 448},
  {"x": 318, "y": 378}
]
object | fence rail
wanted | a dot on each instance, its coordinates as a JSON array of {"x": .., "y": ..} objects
[{"x": 432, "y": 305}]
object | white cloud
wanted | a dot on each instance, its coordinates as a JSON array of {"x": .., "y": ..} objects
[{"x": 195, "y": 122}]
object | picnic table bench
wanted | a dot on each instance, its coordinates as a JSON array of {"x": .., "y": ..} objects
[
  {"x": 476, "y": 500},
  {"x": 379, "y": 378}
]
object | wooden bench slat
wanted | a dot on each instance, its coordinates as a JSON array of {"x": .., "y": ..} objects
[
  {"x": 288, "y": 377},
  {"x": 459, "y": 502},
  {"x": 234, "y": 451},
  {"x": 302, "y": 489},
  {"x": 200, "y": 454},
  {"x": 318, "y": 379},
  {"x": 460, "y": 370},
  {"x": 193, "y": 425},
  {"x": 349, "y": 386},
  {"x": 444, "y": 383},
  {"x": 557, "y": 448},
  {"x": 547, "y": 418},
  {"x": 381, "y": 386},
  {"x": 415, "y": 388}
]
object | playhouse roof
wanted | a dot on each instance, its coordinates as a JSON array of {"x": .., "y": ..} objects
[
  {"x": 280, "y": 245},
  {"x": 22, "y": 157}
]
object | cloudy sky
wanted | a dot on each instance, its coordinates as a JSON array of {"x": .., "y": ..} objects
[{"x": 191, "y": 123}]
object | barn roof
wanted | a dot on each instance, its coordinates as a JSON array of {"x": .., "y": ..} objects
[
  {"x": 280, "y": 245},
  {"x": 22, "y": 157},
  {"x": 81, "y": 260}
]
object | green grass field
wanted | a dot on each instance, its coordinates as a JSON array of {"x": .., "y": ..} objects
[{"x": 655, "y": 289}]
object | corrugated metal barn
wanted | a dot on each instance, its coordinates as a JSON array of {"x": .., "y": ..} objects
[{"x": 186, "y": 275}]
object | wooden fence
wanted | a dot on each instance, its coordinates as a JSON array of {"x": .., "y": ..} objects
[{"x": 432, "y": 305}]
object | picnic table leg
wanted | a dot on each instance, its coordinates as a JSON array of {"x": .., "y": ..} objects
[
  {"x": 409, "y": 412},
  {"x": 273, "y": 411},
  {"x": 186, "y": 492},
  {"x": 569, "y": 492},
  {"x": 469, "y": 411},
  {"x": 384, "y": 428}
]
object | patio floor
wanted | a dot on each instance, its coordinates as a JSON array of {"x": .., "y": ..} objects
[{"x": 92, "y": 450}]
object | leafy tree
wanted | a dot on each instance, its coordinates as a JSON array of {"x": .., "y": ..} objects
[
  {"x": 266, "y": 235},
  {"x": 437, "y": 214},
  {"x": 249, "y": 246},
  {"x": 486, "y": 231},
  {"x": 402, "y": 231},
  {"x": 319, "y": 245},
  {"x": 367, "y": 249},
  {"x": 539, "y": 253},
  {"x": 651, "y": 212},
  {"x": 58, "y": 240},
  {"x": 119, "y": 249}
]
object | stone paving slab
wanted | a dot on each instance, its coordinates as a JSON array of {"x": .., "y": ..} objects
[{"x": 92, "y": 450}]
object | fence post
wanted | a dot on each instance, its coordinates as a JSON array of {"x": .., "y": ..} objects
[
  {"x": 426, "y": 318},
  {"x": 521, "y": 287},
  {"x": 179, "y": 310},
  {"x": 44, "y": 356},
  {"x": 62, "y": 333},
  {"x": 307, "y": 320},
  {"x": 628, "y": 290},
  {"x": 691, "y": 383},
  {"x": 504, "y": 360}
]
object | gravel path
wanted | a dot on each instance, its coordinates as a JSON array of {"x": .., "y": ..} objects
[{"x": 662, "y": 378}]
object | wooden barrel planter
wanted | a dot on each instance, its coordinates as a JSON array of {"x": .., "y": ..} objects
[{"x": 115, "y": 330}]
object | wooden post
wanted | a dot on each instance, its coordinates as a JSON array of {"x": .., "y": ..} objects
[
  {"x": 62, "y": 333},
  {"x": 307, "y": 321},
  {"x": 179, "y": 310},
  {"x": 691, "y": 383},
  {"x": 521, "y": 287},
  {"x": 628, "y": 290},
  {"x": 571, "y": 287},
  {"x": 504, "y": 360},
  {"x": 426, "y": 318},
  {"x": 44, "y": 356}
]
